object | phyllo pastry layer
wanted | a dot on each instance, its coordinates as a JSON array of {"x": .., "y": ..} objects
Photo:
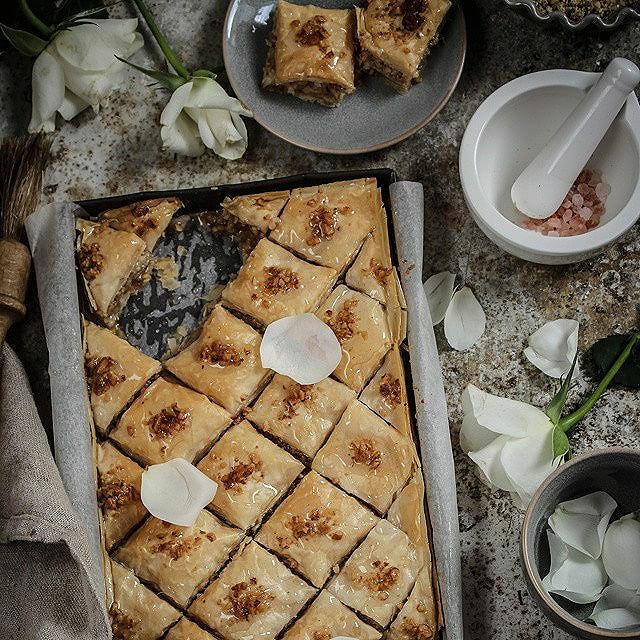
[
  {"x": 187, "y": 630},
  {"x": 418, "y": 618},
  {"x": 260, "y": 210}
]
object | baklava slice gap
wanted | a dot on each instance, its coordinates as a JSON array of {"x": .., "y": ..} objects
[
  {"x": 316, "y": 527},
  {"x": 395, "y": 36},
  {"x": 379, "y": 575},
  {"x": 273, "y": 283},
  {"x": 311, "y": 53},
  {"x": 328, "y": 618},
  {"x": 115, "y": 372},
  {"x": 137, "y": 612},
  {"x": 255, "y": 596},
  {"x": 113, "y": 265},
  {"x": 300, "y": 415},
  {"x": 260, "y": 210},
  {"x": 252, "y": 473},
  {"x": 187, "y": 630},
  {"x": 179, "y": 560},
  {"x": 418, "y": 616},
  {"x": 118, "y": 493},
  {"x": 223, "y": 362},
  {"x": 168, "y": 420},
  {"x": 366, "y": 457}
]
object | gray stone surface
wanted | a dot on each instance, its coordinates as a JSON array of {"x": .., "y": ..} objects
[{"x": 118, "y": 151}]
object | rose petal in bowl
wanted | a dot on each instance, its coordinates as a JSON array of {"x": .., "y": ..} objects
[
  {"x": 301, "y": 347},
  {"x": 621, "y": 552},
  {"x": 464, "y": 321},
  {"x": 553, "y": 347},
  {"x": 618, "y": 608},
  {"x": 175, "y": 491},
  {"x": 439, "y": 291}
]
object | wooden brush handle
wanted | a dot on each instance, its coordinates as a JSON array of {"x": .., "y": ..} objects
[{"x": 15, "y": 264}]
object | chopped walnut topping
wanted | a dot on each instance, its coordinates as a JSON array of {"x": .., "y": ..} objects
[
  {"x": 280, "y": 280},
  {"x": 122, "y": 625},
  {"x": 345, "y": 322},
  {"x": 380, "y": 273},
  {"x": 241, "y": 472},
  {"x": 364, "y": 452},
  {"x": 246, "y": 599},
  {"x": 313, "y": 33},
  {"x": 322, "y": 634},
  {"x": 91, "y": 260},
  {"x": 413, "y": 14},
  {"x": 380, "y": 579},
  {"x": 323, "y": 223},
  {"x": 102, "y": 374},
  {"x": 177, "y": 546},
  {"x": 297, "y": 394},
  {"x": 140, "y": 209},
  {"x": 414, "y": 631},
  {"x": 140, "y": 225},
  {"x": 319, "y": 522},
  {"x": 168, "y": 422},
  {"x": 223, "y": 355},
  {"x": 391, "y": 390},
  {"x": 115, "y": 492}
]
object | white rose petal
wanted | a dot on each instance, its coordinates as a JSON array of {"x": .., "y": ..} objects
[
  {"x": 581, "y": 523},
  {"x": 47, "y": 93},
  {"x": 182, "y": 138},
  {"x": 439, "y": 291},
  {"x": 175, "y": 491},
  {"x": 553, "y": 347},
  {"x": 573, "y": 575},
  {"x": 464, "y": 321},
  {"x": 301, "y": 347},
  {"x": 618, "y": 608},
  {"x": 621, "y": 552}
]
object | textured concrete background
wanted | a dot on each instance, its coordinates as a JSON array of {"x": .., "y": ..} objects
[{"x": 118, "y": 151}]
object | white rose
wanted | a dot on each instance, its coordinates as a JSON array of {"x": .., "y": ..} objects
[
  {"x": 200, "y": 114},
  {"x": 79, "y": 69}
]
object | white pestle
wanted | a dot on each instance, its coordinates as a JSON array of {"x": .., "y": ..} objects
[{"x": 543, "y": 185}]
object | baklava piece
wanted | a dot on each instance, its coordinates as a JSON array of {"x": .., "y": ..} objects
[
  {"x": 187, "y": 630},
  {"x": 179, "y": 560},
  {"x": 386, "y": 394},
  {"x": 260, "y": 210},
  {"x": 273, "y": 283},
  {"x": 418, "y": 618},
  {"x": 328, "y": 618},
  {"x": 366, "y": 457},
  {"x": 169, "y": 421},
  {"x": 115, "y": 372},
  {"x": 136, "y": 612},
  {"x": 371, "y": 272},
  {"x": 113, "y": 265},
  {"x": 251, "y": 472},
  {"x": 224, "y": 361},
  {"x": 255, "y": 596},
  {"x": 316, "y": 527},
  {"x": 118, "y": 493},
  {"x": 311, "y": 53},
  {"x": 326, "y": 224},
  {"x": 147, "y": 219},
  {"x": 396, "y": 35},
  {"x": 360, "y": 324},
  {"x": 300, "y": 415},
  {"x": 379, "y": 575}
]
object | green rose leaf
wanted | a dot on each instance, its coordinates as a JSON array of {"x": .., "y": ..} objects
[
  {"x": 604, "y": 353},
  {"x": 26, "y": 43},
  {"x": 560, "y": 443}
]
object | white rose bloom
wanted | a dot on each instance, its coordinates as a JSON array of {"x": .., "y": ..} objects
[
  {"x": 510, "y": 441},
  {"x": 79, "y": 69},
  {"x": 200, "y": 114}
]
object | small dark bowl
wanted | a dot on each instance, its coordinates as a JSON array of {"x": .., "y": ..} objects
[{"x": 615, "y": 470}]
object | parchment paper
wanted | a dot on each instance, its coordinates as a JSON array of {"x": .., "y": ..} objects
[{"x": 407, "y": 200}]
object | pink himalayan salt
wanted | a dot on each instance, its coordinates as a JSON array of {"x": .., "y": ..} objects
[{"x": 580, "y": 211}]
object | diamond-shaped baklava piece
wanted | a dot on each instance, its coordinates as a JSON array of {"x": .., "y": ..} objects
[
  {"x": 179, "y": 560},
  {"x": 112, "y": 264},
  {"x": 147, "y": 219},
  {"x": 360, "y": 325},
  {"x": 300, "y": 415},
  {"x": 115, "y": 372},
  {"x": 366, "y": 457},
  {"x": 223, "y": 362},
  {"x": 311, "y": 53},
  {"x": 260, "y": 210},
  {"x": 255, "y": 596},
  {"x": 418, "y": 617},
  {"x": 386, "y": 394},
  {"x": 118, "y": 493},
  {"x": 273, "y": 283},
  {"x": 137, "y": 612},
  {"x": 328, "y": 223},
  {"x": 187, "y": 630},
  {"x": 395, "y": 36},
  {"x": 168, "y": 420},
  {"x": 316, "y": 527},
  {"x": 371, "y": 271},
  {"x": 328, "y": 618},
  {"x": 251, "y": 472},
  {"x": 379, "y": 575}
]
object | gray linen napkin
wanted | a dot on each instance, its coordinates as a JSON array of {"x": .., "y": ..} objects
[{"x": 46, "y": 562}]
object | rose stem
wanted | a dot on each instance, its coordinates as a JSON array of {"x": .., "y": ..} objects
[{"x": 34, "y": 20}]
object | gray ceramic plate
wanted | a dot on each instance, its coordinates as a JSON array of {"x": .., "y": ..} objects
[{"x": 373, "y": 117}]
